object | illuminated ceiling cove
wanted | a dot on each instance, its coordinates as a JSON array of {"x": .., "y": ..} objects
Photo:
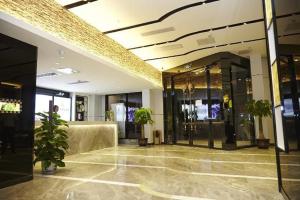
[
  {"x": 52, "y": 18},
  {"x": 169, "y": 33}
]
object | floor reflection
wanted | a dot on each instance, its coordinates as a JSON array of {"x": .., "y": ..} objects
[{"x": 157, "y": 172}]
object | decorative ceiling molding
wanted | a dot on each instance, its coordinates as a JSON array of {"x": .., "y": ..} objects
[
  {"x": 59, "y": 22},
  {"x": 210, "y": 30},
  {"x": 78, "y": 3},
  {"x": 198, "y": 32},
  {"x": 204, "y": 48},
  {"x": 162, "y": 18}
]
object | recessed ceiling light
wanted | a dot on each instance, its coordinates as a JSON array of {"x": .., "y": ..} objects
[
  {"x": 67, "y": 70},
  {"x": 188, "y": 66}
]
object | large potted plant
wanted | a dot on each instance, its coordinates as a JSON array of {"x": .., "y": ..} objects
[
  {"x": 142, "y": 116},
  {"x": 260, "y": 109},
  {"x": 50, "y": 143}
]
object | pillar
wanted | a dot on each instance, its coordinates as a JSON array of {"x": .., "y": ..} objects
[
  {"x": 261, "y": 90},
  {"x": 153, "y": 99}
]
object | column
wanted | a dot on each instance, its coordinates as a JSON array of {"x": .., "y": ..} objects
[
  {"x": 146, "y": 100},
  {"x": 153, "y": 99},
  {"x": 261, "y": 90}
]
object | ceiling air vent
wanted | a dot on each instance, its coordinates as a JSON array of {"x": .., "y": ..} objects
[
  {"x": 171, "y": 47},
  {"x": 78, "y": 82},
  {"x": 158, "y": 31},
  {"x": 205, "y": 41},
  {"x": 50, "y": 74}
]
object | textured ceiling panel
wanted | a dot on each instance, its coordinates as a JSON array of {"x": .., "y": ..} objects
[{"x": 54, "y": 19}]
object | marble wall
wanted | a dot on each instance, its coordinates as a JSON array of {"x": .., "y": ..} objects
[{"x": 88, "y": 136}]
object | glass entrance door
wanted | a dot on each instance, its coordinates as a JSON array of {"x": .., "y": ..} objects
[
  {"x": 290, "y": 87},
  {"x": 241, "y": 93},
  {"x": 198, "y": 105}
]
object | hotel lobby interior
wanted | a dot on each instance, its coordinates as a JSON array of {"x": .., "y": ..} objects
[{"x": 139, "y": 99}]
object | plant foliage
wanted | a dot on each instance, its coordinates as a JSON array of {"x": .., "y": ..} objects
[
  {"x": 109, "y": 115},
  {"x": 259, "y": 108},
  {"x": 143, "y": 116},
  {"x": 50, "y": 140}
]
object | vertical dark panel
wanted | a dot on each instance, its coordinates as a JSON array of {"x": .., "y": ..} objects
[
  {"x": 210, "y": 134},
  {"x": 17, "y": 87},
  {"x": 174, "y": 139},
  {"x": 287, "y": 45}
]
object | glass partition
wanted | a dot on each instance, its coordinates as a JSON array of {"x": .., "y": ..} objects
[
  {"x": 205, "y": 106},
  {"x": 199, "y": 97},
  {"x": 244, "y": 128},
  {"x": 123, "y": 106},
  {"x": 116, "y": 103},
  {"x": 217, "y": 116},
  {"x": 134, "y": 102},
  {"x": 183, "y": 108}
]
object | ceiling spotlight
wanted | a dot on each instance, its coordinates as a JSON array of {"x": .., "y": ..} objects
[
  {"x": 188, "y": 66},
  {"x": 67, "y": 70}
]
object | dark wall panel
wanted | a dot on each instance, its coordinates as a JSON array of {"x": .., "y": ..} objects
[{"x": 17, "y": 102}]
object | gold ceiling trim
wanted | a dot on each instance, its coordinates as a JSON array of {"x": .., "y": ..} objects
[{"x": 59, "y": 22}]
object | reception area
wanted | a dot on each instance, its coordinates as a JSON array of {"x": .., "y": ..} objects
[{"x": 186, "y": 100}]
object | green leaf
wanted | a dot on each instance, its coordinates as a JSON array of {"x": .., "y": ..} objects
[{"x": 50, "y": 143}]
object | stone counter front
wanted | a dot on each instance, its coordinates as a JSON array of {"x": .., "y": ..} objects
[{"x": 89, "y": 136}]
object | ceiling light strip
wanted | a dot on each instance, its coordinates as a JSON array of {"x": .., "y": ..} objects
[
  {"x": 165, "y": 16},
  {"x": 51, "y": 18},
  {"x": 201, "y": 49}
]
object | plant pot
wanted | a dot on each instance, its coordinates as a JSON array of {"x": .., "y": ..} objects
[
  {"x": 263, "y": 143},
  {"x": 228, "y": 146},
  {"x": 48, "y": 170},
  {"x": 143, "y": 141}
]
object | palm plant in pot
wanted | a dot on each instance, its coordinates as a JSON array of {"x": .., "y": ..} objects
[
  {"x": 50, "y": 143},
  {"x": 142, "y": 116},
  {"x": 260, "y": 109}
]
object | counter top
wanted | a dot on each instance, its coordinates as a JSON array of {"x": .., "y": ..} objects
[
  {"x": 84, "y": 136},
  {"x": 37, "y": 123}
]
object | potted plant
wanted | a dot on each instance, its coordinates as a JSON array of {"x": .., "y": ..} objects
[
  {"x": 109, "y": 115},
  {"x": 142, "y": 116},
  {"x": 50, "y": 143},
  {"x": 260, "y": 109}
]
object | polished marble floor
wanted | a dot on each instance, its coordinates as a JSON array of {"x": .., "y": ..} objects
[{"x": 157, "y": 172}]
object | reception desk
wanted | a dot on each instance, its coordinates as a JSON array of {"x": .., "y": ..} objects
[{"x": 84, "y": 136}]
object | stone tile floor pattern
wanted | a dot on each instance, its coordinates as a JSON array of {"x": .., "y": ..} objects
[{"x": 156, "y": 172}]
